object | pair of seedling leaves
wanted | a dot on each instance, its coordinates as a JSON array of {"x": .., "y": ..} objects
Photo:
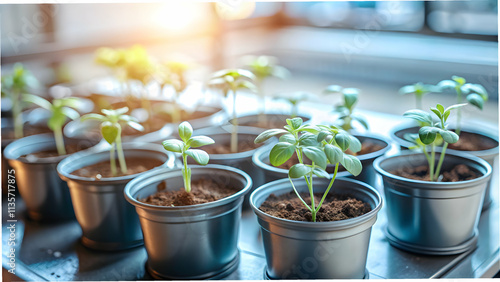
[
  {"x": 321, "y": 144},
  {"x": 346, "y": 109}
]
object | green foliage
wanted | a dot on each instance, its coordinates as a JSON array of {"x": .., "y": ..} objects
[
  {"x": 294, "y": 99},
  {"x": 321, "y": 144},
  {"x": 346, "y": 108},
  {"x": 265, "y": 66},
  {"x": 184, "y": 146},
  {"x": 419, "y": 90}
]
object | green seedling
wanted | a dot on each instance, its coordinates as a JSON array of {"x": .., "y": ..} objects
[
  {"x": 294, "y": 99},
  {"x": 433, "y": 134},
  {"x": 184, "y": 146},
  {"x": 14, "y": 85},
  {"x": 419, "y": 90},
  {"x": 111, "y": 130},
  {"x": 346, "y": 109},
  {"x": 230, "y": 81},
  {"x": 173, "y": 73},
  {"x": 60, "y": 110},
  {"x": 475, "y": 94},
  {"x": 322, "y": 145},
  {"x": 264, "y": 67}
]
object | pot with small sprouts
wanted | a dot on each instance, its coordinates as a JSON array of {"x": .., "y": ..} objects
[
  {"x": 315, "y": 225},
  {"x": 434, "y": 197}
]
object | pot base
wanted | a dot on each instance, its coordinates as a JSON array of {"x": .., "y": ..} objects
[
  {"x": 39, "y": 217},
  {"x": 228, "y": 269},
  {"x": 267, "y": 277},
  {"x": 110, "y": 246},
  {"x": 419, "y": 249},
  {"x": 486, "y": 205}
]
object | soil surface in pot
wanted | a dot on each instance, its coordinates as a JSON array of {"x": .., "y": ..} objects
[
  {"x": 202, "y": 191},
  {"x": 28, "y": 130},
  {"x": 473, "y": 142},
  {"x": 334, "y": 208},
  {"x": 225, "y": 148},
  {"x": 70, "y": 149},
  {"x": 103, "y": 169},
  {"x": 460, "y": 172},
  {"x": 366, "y": 148}
]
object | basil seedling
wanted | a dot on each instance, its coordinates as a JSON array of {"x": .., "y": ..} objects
[
  {"x": 173, "y": 73},
  {"x": 230, "y": 81},
  {"x": 111, "y": 131},
  {"x": 322, "y": 145},
  {"x": 346, "y": 109},
  {"x": 184, "y": 146},
  {"x": 419, "y": 90},
  {"x": 433, "y": 134},
  {"x": 13, "y": 86},
  {"x": 476, "y": 95},
  {"x": 294, "y": 99}
]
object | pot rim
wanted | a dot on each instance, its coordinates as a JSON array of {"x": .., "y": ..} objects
[
  {"x": 432, "y": 185},
  {"x": 339, "y": 224},
  {"x": 275, "y": 113},
  {"x": 62, "y": 169},
  {"x": 159, "y": 174}
]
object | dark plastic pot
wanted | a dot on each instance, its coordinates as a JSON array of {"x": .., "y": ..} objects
[
  {"x": 46, "y": 196},
  {"x": 317, "y": 250},
  {"x": 433, "y": 218},
  {"x": 107, "y": 220},
  {"x": 190, "y": 242}
]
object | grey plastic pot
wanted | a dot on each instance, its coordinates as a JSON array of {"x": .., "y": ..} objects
[
  {"x": 107, "y": 220},
  {"x": 248, "y": 120},
  {"x": 489, "y": 155},
  {"x": 367, "y": 175},
  {"x": 434, "y": 218},
  {"x": 190, "y": 242},
  {"x": 317, "y": 250},
  {"x": 46, "y": 196}
]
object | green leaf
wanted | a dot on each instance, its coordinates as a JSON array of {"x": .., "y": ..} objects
[
  {"x": 355, "y": 145},
  {"x": 333, "y": 153},
  {"x": 436, "y": 111},
  {"x": 309, "y": 128},
  {"x": 308, "y": 139},
  {"x": 408, "y": 89},
  {"x": 411, "y": 137},
  {"x": 419, "y": 115},
  {"x": 299, "y": 170},
  {"x": 110, "y": 131},
  {"x": 446, "y": 115},
  {"x": 289, "y": 138},
  {"x": 173, "y": 145},
  {"x": 352, "y": 164},
  {"x": 37, "y": 100},
  {"x": 280, "y": 153},
  {"x": 448, "y": 136},
  {"x": 427, "y": 134},
  {"x": 135, "y": 125},
  {"x": 343, "y": 140},
  {"x": 458, "y": 79},
  {"x": 71, "y": 113},
  {"x": 316, "y": 155},
  {"x": 350, "y": 97},
  {"x": 440, "y": 108},
  {"x": 185, "y": 131},
  {"x": 93, "y": 116},
  {"x": 121, "y": 111},
  {"x": 361, "y": 120},
  {"x": 322, "y": 136},
  {"x": 57, "y": 120},
  {"x": 244, "y": 84},
  {"x": 198, "y": 141},
  {"x": 446, "y": 84},
  {"x": 320, "y": 173},
  {"x": 453, "y": 107},
  {"x": 295, "y": 123},
  {"x": 268, "y": 134},
  {"x": 475, "y": 100},
  {"x": 476, "y": 88},
  {"x": 200, "y": 156},
  {"x": 332, "y": 89}
]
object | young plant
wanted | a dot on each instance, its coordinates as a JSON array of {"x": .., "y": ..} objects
[
  {"x": 184, "y": 146},
  {"x": 60, "y": 110},
  {"x": 346, "y": 109},
  {"x": 264, "y": 67},
  {"x": 111, "y": 130},
  {"x": 419, "y": 90},
  {"x": 322, "y": 145},
  {"x": 475, "y": 94},
  {"x": 173, "y": 73},
  {"x": 433, "y": 134},
  {"x": 230, "y": 81},
  {"x": 13, "y": 86},
  {"x": 294, "y": 100}
]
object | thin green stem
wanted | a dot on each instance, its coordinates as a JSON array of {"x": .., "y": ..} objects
[
  {"x": 234, "y": 131},
  {"x": 58, "y": 135},
  {"x": 329, "y": 187},
  {"x": 112, "y": 160},
  {"x": 298, "y": 195},
  {"x": 119, "y": 149},
  {"x": 433, "y": 160},
  {"x": 186, "y": 172},
  {"x": 294, "y": 110},
  {"x": 311, "y": 192},
  {"x": 18, "y": 117},
  {"x": 424, "y": 149},
  {"x": 419, "y": 101},
  {"x": 441, "y": 159},
  {"x": 459, "y": 111}
]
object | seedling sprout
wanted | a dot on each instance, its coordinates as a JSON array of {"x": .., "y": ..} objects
[{"x": 346, "y": 109}]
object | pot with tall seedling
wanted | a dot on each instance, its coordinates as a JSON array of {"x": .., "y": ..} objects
[
  {"x": 34, "y": 159},
  {"x": 315, "y": 227},
  {"x": 190, "y": 216},
  {"x": 96, "y": 183},
  {"x": 434, "y": 198}
]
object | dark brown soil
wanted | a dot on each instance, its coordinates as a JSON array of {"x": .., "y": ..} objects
[
  {"x": 473, "y": 142},
  {"x": 460, "y": 172},
  {"x": 103, "y": 169},
  {"x": 70, "y": 149},
  {"x": 335, "y": 207},
  {"x": 220, "y": 148},
  {"x": 8, "y": 133},
  {"x": 202, "y": 191}
]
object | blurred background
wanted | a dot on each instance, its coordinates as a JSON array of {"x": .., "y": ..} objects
[{"x": 376, "y": 46}]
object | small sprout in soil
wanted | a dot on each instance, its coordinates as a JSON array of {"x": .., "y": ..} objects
[
  {"x": 264, "y": 67},
  {"x": 475, "y": 94},
  {"x": 173, "y": 73},
  {"x": 184, "y": 146},
  {"x": 419, "y": 90},
  {"x": 230, "y": 81},
  {"x": 19, "y": 82},
  {"x": 322, "y": 145},
  {"x": 60, "y": 110},
  {"x": 294, "y": 99},
  {"x": 111, "y": 131},
  {"x": 346, "y": 109},
  {"x": 433, "y": 134}
]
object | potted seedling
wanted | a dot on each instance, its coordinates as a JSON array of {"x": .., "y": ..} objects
[
  {"x": 96, "y": 184},
  {"x": 419, "y": 90},
  {"x": 434, "y": 198},
  {"x": 178, "y": 207},
  {"x": 35, "y": 158},
  {"x": 345, "y": 110},
  {"x": 297, "y": 216}
]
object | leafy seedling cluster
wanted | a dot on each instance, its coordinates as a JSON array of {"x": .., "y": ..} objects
[
  {"x": 184, "y": 147},
  {"x": 322, "y": 145},
  {"x": 419, "y": 90},
  {"x": 346, "y": 109}
]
